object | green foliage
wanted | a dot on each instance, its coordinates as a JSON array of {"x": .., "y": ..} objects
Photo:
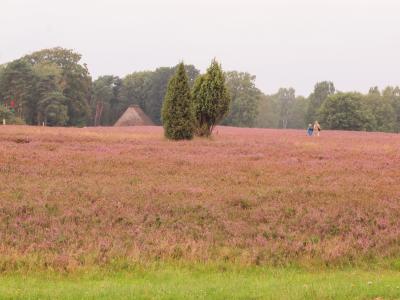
[
  {"x": 285, "y": 98},
  {"x": 135, "y": 91},
  {"x": 177, "y": 113},
  {"x": 274, "y": 109},
  {"x": 211, "y": 99},
  {"x": 47, "y": 82},
  {"x": 383, "y": 117},
  {"x": 30, "y": 80},
  {"x": 350, "y": 111},
  {"x": 17, "y": 85},
  {"x": 105, "y": 104},
  {"x": 353, "y": 111},
  {"x": 297, "y": 113},
  {"x": 9, "y": 116},
  {"x": 245, "y": 99},
  {"x": 74, "y": 81},
  {"x": 154, "y": 90},
  {"x": 392, "y": 95},
  {"x": 231, "y": 98},
  {"x": 158, "y": 87},
  {"x": 322, "y": 90},
  {"x": 54, "y": 109},
  {"x": 268, "y": 116},
  {"x": 344, "y": 111},
  {"x": 147, "y": 89},
  {"x": 5, "y": 113}
]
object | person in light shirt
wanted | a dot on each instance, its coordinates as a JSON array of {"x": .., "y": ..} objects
[{"x": 317, "y": 128}]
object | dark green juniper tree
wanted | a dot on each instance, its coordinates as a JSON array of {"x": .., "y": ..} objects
[
  {"x": 177, "y": 112},
  {"x": 211, "y": 99}
]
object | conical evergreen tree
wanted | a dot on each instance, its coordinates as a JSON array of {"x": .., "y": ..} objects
[
  {"x": 210, "y": 99},
  {"x": 177, "y": 112}
]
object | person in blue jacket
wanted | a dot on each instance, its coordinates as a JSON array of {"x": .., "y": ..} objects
[{"x": 310, "y": 130}]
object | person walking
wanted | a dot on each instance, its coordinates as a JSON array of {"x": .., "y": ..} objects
[
  {"x": 317, "y": 128},
  {"x": 310, "y": 130}
]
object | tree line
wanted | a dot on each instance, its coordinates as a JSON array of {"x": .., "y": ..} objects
[
  {"x": 53, "y": 87},
  {"x": 375, "y": 111}
]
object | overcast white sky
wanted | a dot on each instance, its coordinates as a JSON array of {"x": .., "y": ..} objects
[{"x": 354, "y": 43}]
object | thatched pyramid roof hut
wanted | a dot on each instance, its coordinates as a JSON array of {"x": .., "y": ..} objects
[{"x": 134, "y": 116}]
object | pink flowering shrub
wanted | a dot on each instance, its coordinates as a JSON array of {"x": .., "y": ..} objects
[{"x": 75, "y": 197}]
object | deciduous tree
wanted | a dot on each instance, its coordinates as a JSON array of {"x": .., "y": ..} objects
[
  {"x": 285, "y": 98},
  {"x": 75, "y": 83},
  {"x": 344, "y": 111},
  {"x": 322, "y": 90},
  {"x": 383, "y": 117},
  {"x": 245, "y": 98}
]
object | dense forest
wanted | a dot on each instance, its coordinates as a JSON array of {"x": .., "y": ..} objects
[{"x": 53, "y": 87}]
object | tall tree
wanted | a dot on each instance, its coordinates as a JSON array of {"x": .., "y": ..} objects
[
  {"x": 2, "y": 68},
  {"x": 322, "y": 90},
  {"x": 285, "y": 98},
  {"x": 17, "y": 87},
  {"x": 54, "y": 110},
  {"x": 268, "y": 116},
  {"x": 297, "y": 113},
  {"x": 392, "y": 95},
  {"x": 344, "y": 111},
  {"x": 381, "y": 110},
  {"x": 28, "y": 81},
  {"x": 245, "y": 99},
  {"x": 211, "y": 99},
  {"x": 105, "y": 100},
  {"x": 177, "y": 112},
  {"x": 48, "y": 81},
  {"x": 135, "y": 90},
  {"x": 75, "y": 81}
]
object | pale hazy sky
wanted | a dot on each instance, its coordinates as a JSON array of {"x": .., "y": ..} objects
[{"x": 354, "y": 43}]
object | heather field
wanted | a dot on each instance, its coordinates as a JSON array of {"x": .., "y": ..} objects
[{"x": 75, "y": 199}]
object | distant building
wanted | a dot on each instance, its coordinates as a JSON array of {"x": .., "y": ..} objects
[{"x": 134, "y": 116}]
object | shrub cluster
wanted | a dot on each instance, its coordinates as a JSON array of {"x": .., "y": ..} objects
[{"x": 186, "y": 112}]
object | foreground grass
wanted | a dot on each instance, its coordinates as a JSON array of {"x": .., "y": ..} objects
[{"x": 205, "y": 283}]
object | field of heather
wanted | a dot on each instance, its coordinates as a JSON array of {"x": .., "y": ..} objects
[{"x": 73, "y": 197}]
